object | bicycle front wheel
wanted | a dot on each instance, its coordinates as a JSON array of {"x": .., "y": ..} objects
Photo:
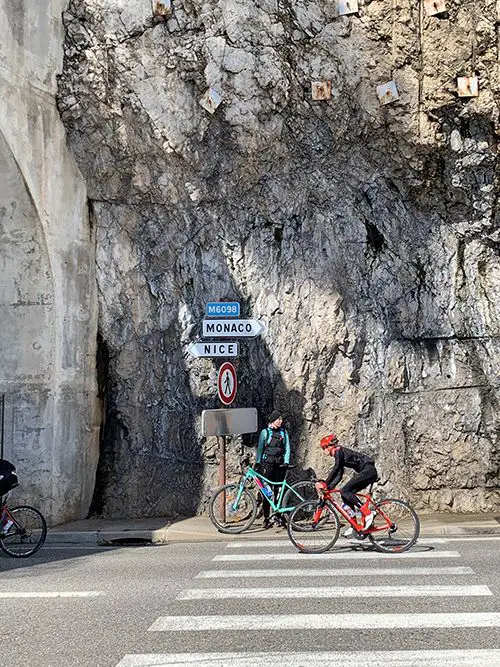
[
  {"x": 298, "y": 493},
  {"x": 396, "y": 526},
  {"x": 230, "y": 515},
  {"x": 26, "y": 535},
  {"x": 313, "y": 529}
]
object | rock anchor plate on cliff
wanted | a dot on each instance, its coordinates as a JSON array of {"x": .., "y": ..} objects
[
  {"x": 348, "y": 7},
  {"x": 162, "y": 9},
  {"x": 211, "y": 100},
  {"x": 387, "y": 92},
  {"x": 433, "y": 7},
  {"x": 468, "y": 86},
  {"x": 321, "y": 90}
]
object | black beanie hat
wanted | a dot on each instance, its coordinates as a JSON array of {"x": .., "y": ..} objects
[{"x": 273, "y": 416}]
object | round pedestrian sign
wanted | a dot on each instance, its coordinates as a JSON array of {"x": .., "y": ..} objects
[{"x": 226, "y": 383}]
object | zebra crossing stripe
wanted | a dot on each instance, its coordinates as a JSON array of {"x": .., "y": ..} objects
[
  {"x": 257, "y": 544},
  {"x": 261, "y": 622},
  {"x": 340, "y": 555},
  {"x": 339, "y": 592},
  {"x": 422, "y": 658},
  {"x": 329, "y": 572},
  {"x": 50, "y": 594},
  {"x": 422, "y": 542},
  {"x": 465, "y": 538}
]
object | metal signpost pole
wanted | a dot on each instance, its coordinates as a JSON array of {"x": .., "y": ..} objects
[
  {"x": 223, "y": 460},
  {"x": 227, "y": 385},
  {"x": 2, "y": 408},
  {"x": 221, "y": 439}
]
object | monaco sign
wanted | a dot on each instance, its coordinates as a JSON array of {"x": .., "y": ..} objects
[
  {"x": 214, "y": 349},
  {"x": 232, "y": 328}
]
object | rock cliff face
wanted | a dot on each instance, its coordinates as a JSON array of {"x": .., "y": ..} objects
[{"x": 364, "y": 235}]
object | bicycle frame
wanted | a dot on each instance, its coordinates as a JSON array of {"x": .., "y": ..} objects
[
  {"x": 252, "y": 475},
  {"x": 5, "y": 513},
  {"x": 328, "y": 497}
]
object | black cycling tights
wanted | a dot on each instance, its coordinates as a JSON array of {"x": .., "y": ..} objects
[
  {"x": 365, "y": 477},
  {"x": 276, "y": 473}
]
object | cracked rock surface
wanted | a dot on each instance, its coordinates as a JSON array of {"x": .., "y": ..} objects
[{"x": 365, "y": 236}]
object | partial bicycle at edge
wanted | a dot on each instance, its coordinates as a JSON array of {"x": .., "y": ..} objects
[{"x": 23, "y": 528}]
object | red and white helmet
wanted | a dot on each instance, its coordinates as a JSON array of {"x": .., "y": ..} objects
[{"x": 328, "y": 440}]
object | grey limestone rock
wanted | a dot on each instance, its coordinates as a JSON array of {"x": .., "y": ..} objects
[{"x": 364, "y": 236}]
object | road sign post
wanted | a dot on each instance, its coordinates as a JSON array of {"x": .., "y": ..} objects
[
  {"x": 226, "y": 324},
  {"x": 221, "y": 439}
]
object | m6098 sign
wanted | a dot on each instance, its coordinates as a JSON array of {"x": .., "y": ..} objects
[{"x": 223, "y": 309}]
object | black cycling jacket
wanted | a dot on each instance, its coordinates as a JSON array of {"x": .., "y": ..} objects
[{"x": 346, "y": 458}]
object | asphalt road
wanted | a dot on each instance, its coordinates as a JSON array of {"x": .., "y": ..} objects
[{"x": 249, "y": 603}]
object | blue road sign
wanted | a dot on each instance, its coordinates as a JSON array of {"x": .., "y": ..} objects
[{"x": 223, "y": 309}]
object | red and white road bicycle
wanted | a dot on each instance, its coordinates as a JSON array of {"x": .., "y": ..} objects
[{"x": 314, "y": 525}]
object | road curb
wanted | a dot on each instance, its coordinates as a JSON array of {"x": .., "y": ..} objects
[
  {"x": 107, "y": 537},
  {"x": 196, "y": 530},
  {"x": 80, "y": 537}
]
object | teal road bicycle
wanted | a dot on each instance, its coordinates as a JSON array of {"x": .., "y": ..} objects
[{"x": 233, "y": 507}]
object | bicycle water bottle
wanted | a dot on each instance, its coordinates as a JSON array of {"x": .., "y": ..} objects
[
  {"x": 267, "y": 490},
  {"x": 5, "y": 522},
  {"x": 348, "y": 509}
]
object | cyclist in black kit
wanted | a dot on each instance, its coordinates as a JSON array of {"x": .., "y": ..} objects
[{"x": 362, "y": 464}]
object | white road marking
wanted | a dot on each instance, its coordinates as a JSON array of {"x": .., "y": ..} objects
[
  {"x": 377, "y": 622},
  {"x": 257, "y": 544},
  {"x": 423, "y": 658},
  {"x": 76, "y": 547},
  {"x": 328, "y": 572},
  {"x": 442, "y": 540},
  {"x": 339, "y": 592},
  {"x": 422, "y": 541},
  {"x": 341, "y": 555},
  {"x": 52, "y": 594}
]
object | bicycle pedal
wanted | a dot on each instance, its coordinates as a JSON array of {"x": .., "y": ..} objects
[{"x": 359, "y": 536}]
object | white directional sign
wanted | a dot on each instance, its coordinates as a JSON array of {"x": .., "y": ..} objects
[
  {"x": 215, "y": 349},
  {"x": 232, "y": 328}
]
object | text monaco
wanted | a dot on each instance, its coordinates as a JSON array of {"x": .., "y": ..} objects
[{"x": 229, "y": 327}]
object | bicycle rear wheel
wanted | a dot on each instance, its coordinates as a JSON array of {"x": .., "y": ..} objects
[
  {"x": 300, "y": 491},
  {"x": 26, "y": 535},
  {"x": 398, "y": 526},
  {"x": 230, "y": 515},
  {"x": 313, "y": 529}
]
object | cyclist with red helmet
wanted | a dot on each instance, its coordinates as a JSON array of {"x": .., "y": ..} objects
[{"x": 362, "y": 464}]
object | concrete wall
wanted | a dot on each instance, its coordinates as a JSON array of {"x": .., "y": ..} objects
[{"x": 47, "y": 284}]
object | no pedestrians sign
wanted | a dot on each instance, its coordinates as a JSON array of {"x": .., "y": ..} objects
[{"x": 227, "y": 383}]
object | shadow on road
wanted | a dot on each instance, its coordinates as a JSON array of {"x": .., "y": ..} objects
[{"x": 52, "y": 554}]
